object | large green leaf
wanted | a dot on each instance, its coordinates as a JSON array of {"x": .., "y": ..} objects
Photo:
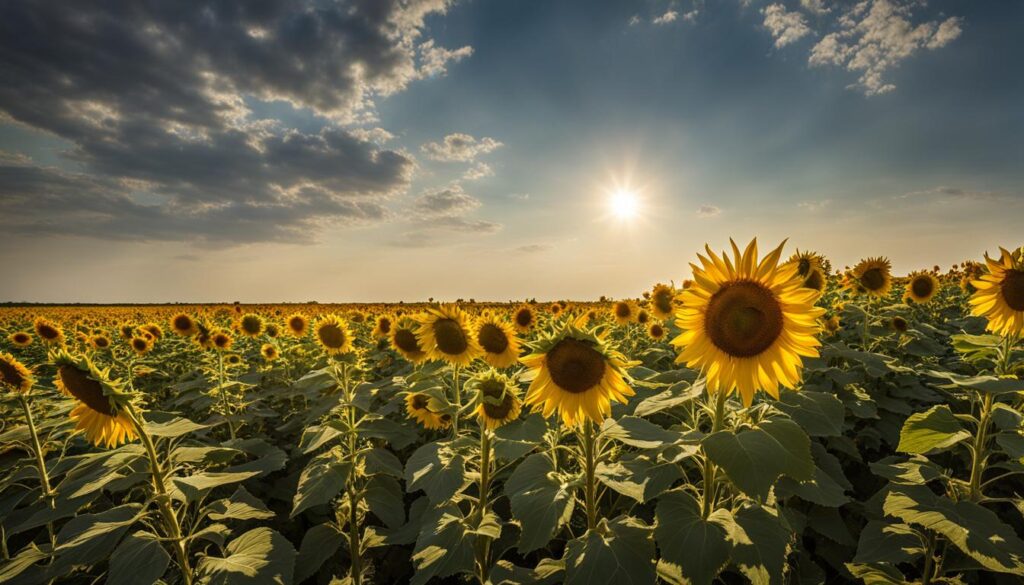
[
  {"x": 678, "y": 394},
  {"x": 975, "y": 530},
  {"x": 541, "y": 501},
  {"x": 260, "y": 556},
  {"x": 240, "y": 506},
  {"x": 883, "y": 542},
  {"x": 318, "y": 544},
  {"x": 174, "y": 428},
  {"x": 699, "y": 546},
  {"x": 436, "y": 469},
  {"x": 614, "y": 553},
  {"x": 89, "y": 538},
  {"x": 197, "y": 485},
  {"x": 933, "y": 430},
  {"x": 818, "y": 413},
  {"x": 323, "y": 478},
  {"x": 140, "y": 558},
  {"x": 638, "y": 476},
  {"x": 519, "y": 437},
  {"x": 755, "y": 458},
  {"x": 760, "y": 545},
  {"x": 444, "y": 546},
  {"x": 384, "y": 496},
  {"x": 637, "y": 432},
  {"x": 988, "y": 384}
]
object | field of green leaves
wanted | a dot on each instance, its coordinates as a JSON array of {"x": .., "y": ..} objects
[{"x": 768, "y": 422}]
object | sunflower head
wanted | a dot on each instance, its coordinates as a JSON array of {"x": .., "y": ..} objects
[
  {"x": 298, "y": 325},
  {"x": 383, "y": 327},
  {"x": 204, "y": 337},
  {"x": 623, "y": 312},
  {"x": 404, "y": 341},
  {"x": 48, "y": 331},
  {"x": 555, "y": 309},
  {"x": 272, "y": 330},
  {"x": 233, "y": 359},
  {"x": 746, "y": 323},
  {"x": 921, "y": 286},
  {"x": 418, "y": 407},
  {"x": 269, "y": 352},
  {"x": 154, "y": 330},
  {"x": 871, "y": 276},
  {"x": 497, "y": 340},
  {"x": 656, "y": 331},
  {"x": 900, "y": 324},
  {"x": 444, "y": 334},
  {"x": 815, "y": 280},
  {"x": 20, "y": 338},
  {"x": 251, "y": 325},
  {"x": 577, "y": 375},
  {"x": 524, "y": 318},
  {"x": 832, "y": 324},
  {"x": 141, "y": 345},
  {"x": 807, "y": 261},
  {"x": 497, "y": 400},
  {"x": 102, "y": 402},
  {"x": 661, "y": 301},
  {"x": 221, "y": 340},
  {"x": 14, "y": 375},
  {"x": 99, "y": 341},
  {"x": 999, "y": 293},
  {"x": 333, "y": 335},
  {"x": 127, "y": 331},
  {"x": 184, "y": 325}
]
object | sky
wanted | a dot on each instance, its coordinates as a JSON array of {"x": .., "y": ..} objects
[{"x": 386, "y": 150}]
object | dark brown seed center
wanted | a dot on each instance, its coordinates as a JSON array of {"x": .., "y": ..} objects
[
  {"x": 1012, "y": 289},
  {"x": 406, "y": 341},
  {"x": 182, "y": 323},
  {"x": 622, "y": 310},
  {"x": 873, "y": 279},
  {"x": 814, "y": 281},
  {"x": 492, "y": 338},
  {"x": 10, "y": 374},
  {"x": 524, "y": 318},
  {"x": 663, "y": 302},
  {"x": 575, "y": 365},
  {"x": 451, "y": 338},
  {"x": 922, "y": 287},
  {"x": 743, "y": 319},
  {"x": 420, "y": 401},
  {"x": 332, "y": 336},
  {"x": 85, "y": 389}
]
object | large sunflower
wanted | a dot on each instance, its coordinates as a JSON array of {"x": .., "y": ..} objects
[
  {"x": 921, "y": 286},
  {"x": 251, "y": 325},
  {"x": 444, "y": 334},
  {"x": 14, "y": 375},
  {"x": 661, "y": 301},
  {"x": 333, "y": 335},
  {"x": 403, "y": 339},
  {"x": 1000, "y": 293},
  {"x": 101, "y": 401},
  {"x": 417, "y": 406},
  {"x": 497, "y": 340},
  {"x": 577, "y": 375},
  {"x": 746, "y": 323},
  {"x": 872, "y": 276},
  {"x": 497, "y": 402}
]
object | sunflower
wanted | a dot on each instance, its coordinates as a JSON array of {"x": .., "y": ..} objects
[
  {"x": 233, "y": 359},
  {"x": 298, "y": 325},
  {"x": 497, "y": 400},
  {"x": 444, "y": 334},
  {"x": 555, "y": 309},
  {"x": 900, "y": 324},
  {"x": 1000, "y": 293},
  {"x": 807, "y": 262},
  {"x": 141, "y": 345},
  {"x": 921, "y": 287},
  {"x": 403, "y": 339},
  {"x": 20, "y": 338},
  {"x": 101, "y": 401},
  {"x": 746, "y": 324},
  {"x": 99, "y": 341},
  {"x": 832, "y": 324},
  {"x": 251, "y": 325},
  {"x": 656, "y": 331},
  {"x": 497, "y": 340},
  {"x": 642, "y": 316},
  {"x": 332, "y": 334},
  {"x": 578, "y": 375},
  {"x": 383, "y": 327},
  {"x": 815, "y": 280},
  {"x": 417, "y": 406},
  {"x": 14, "y": 375},
  {"x": 269, "y": 352},
  {"x": 127, "y": 331},
  {"x": 221, "y": 340},
  {"x": 524, "y": 319},
  {"x": 661, "y": 301},
  {"x": 204, "y": 337},
  {"x": 184, "y": 325},
  {"x": 272, "y": 330},
  {"x": 872, "y": 276},
  {"x": 623, "y": 312},
  {"x": 49, "y": 332},
  {"x": 153, "y": 329}
]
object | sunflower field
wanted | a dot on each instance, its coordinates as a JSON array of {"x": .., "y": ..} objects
[{"x": 769, "y": 421}]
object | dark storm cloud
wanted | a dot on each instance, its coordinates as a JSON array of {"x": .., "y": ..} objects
[{"x": 152, "y": 98}]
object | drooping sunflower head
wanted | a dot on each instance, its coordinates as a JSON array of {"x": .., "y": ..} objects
[
  {"x": 417, "y": 407},
  {"x": 900, "y": 324},
  {"x": 99, "y": 341},
  {"x": 921, "y": 286},
  {"x": 20, "y": 338},
  {"x": 184, "y": 325},
  {"x": 498, "y": 341},
  {"x": 807, "y": 262},
  {"x": 269, "y": 352},
  {"x": 204, "y": 337},
  {"x": 298, "y": 325},
  {"x": 101, "y": 401},
  {"x": 48, "y": 331},
  {"x": 154, "y": 330},
  {"x": 815, "y": 280},
  {"x": 524, "y": 318},
  {"x": 444, "y": 334},
  {"x": 999, "y": 293},
  {"x": 221, "y": 340},
  {"x": 577, "y": 375},
  {"x": 333, "y": 335},
  {"x": 127, "y": 331},
  {"x": 14, "y": 375},
  {"x": 497, "y": 400},
  {"x": 661, "y": 301},
  {"x": 383, "y": 327},
  {"x": 873, "y": 276},
  {"x": 404, "y": 341},
  {"x": 623, "y": 312},
  {"x": 251, "y": 325},
  {"x": 140, "y": 345},
  {"x": 747, "y": 323},
  {"x": 272, "y": 330},
  {"x": 656, "y": 331}
]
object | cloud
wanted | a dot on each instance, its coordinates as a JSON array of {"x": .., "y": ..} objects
[
  {"x": 814, "y": 205},
  {"x": 155, "y": 103},
  {"x": 708, "y": 211},
  {"x": 480, "y": 170},
  {"x": 816, "y": 7},
  {"x": 669, "y": 16},
  {"x": 954, "y": 193},
  {"x": 634, "y": 20},
  {"x": 534, "y": 248},
  {"x": 459, "y": 147},
  {"x": 786, "y": 27},
  {"x": 449, "y": 201},
  {"x": 875, "y": 36}
]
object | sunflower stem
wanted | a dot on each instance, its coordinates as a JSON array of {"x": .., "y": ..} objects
[
  {"x": 44, "y": 476},
  {"x": 589, "y": 470},
  {"x": 458, "y": 400},
  {"x": 710, "y": 471},
  {"x": 163, "y": 499},
  {"x": 484, "y": 544},
  {"x": 356, "y": 569},
  {"x": 223, "y": 393}
]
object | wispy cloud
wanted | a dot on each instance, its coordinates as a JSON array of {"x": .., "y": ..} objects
[
  {"x": 708, "y": 211},
  {"x": 814, "y": 205},
  {"x": 459, "y": 147},
  {"x": 786, "y": 27}
]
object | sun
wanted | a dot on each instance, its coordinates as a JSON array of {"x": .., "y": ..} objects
[{"x": 624, "y": 204}]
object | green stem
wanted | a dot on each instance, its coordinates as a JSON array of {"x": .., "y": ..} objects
[
  {"x": 484, "y": 546},
  {"x": 929, "y": 559},
  {"x": 223, "y": 393},
  {"x": 163, "y": 499},
  {"x": 356, "y": 569},
  {"x": 589, "y": 470},
  {"x": 44, "y": 477},
  {"x": 710, "y": 471},
  {"x": 458, "y": 400},
  {"x": 979, "y": 453}
]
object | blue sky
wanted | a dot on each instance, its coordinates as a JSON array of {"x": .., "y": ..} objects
[{"x": 388, "y": 150}]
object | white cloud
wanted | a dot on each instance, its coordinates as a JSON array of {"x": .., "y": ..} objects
[
  {"x": 786, "y": 27},
  {"x": 669, "y": 16},
  {"x": 815, "y": 6},
  {"x": 814, "y": 205},
  {"x": 634, "y": 20},
  {"x": 480, "y": 170},
  {"x": 434, "y": 60},
  {"x": 449, "y": 201},
  {"x": 708, "y": 211},
  {"x": 459, "y": 147}
]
